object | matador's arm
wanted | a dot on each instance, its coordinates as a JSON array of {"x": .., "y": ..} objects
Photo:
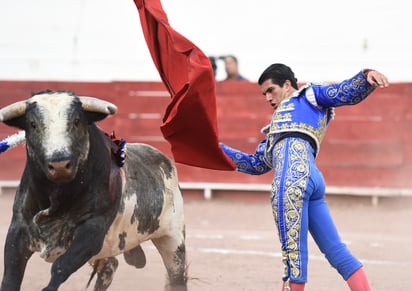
[{"x": 253, "y": 164}]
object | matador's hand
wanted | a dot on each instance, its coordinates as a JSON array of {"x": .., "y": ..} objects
[{"x": 376, "y": 79}]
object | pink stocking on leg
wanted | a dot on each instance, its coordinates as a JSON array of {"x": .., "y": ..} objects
[
  {"x": 293, "y": 286},
  {"x": 358, "y": 281}
]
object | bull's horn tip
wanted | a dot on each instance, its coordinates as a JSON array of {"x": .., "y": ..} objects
[{"x": 112, "y": 108}]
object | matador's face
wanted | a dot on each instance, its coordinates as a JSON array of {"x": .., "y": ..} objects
[{"x": 274, "y": 93}]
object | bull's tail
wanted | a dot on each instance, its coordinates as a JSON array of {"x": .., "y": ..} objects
[{"x": 91, "y": 276}]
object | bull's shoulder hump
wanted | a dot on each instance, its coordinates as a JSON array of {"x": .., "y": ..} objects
[
  {"x": 145, "y": 150},
  {"x": 149, "y": 155},
  {"x": 141, "y": 146}
]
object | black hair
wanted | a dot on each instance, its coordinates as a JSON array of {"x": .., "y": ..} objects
[
  {"x": 232, "y": 57},
  {"x": 278, "y": 73},
  {"x": 213, "y": 63}
]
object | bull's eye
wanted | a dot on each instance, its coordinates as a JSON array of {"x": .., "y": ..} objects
[
  {"x": 33, "y": 125},
  {"x": 76, "y": 122}
]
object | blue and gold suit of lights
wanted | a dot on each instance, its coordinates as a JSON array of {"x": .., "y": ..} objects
[{"x": 298, "y": 187}]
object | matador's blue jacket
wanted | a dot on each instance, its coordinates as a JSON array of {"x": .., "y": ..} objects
[{"x": 308, "y": 111}]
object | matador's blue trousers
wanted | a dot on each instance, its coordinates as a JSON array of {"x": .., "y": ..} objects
[{"x": 298, "y": 203}]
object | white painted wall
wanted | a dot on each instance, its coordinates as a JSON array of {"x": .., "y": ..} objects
[{"x": 101, "y": 40}]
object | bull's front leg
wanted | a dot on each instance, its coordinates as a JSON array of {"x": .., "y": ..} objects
[
  {"x": 16, "y": 254},
  {"x": 87, "y": 242}
]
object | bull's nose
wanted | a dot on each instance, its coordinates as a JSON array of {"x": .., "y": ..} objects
[{"x": 60, "y": 169}]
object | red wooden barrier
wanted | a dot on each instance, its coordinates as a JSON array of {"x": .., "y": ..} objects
[{"x": 366, "y": 145}]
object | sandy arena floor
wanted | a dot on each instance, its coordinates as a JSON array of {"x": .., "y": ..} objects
[{"x": 232, "y": 245}]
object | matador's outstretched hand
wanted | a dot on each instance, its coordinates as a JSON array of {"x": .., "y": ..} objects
[{"x": 377, "y": 79}]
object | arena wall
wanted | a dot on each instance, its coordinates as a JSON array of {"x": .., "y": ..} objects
[{"x": 368, "y": 145}]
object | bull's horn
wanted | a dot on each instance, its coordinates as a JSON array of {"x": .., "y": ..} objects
[
  {"x": 13, "y": 110},
  {"x": 97, "y": 105}
]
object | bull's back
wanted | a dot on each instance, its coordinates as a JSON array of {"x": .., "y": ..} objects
[
  {"x": 148, "y": 170},
  {"x": 151, "y": 203}
]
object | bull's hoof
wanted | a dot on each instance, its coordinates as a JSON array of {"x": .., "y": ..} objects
[{"x": 105, "y": 270}]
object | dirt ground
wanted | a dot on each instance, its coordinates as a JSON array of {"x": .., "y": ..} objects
[{"x": 233, "y": 245}]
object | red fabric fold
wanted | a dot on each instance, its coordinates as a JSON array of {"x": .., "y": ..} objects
[{"x": 190, "y": 120}]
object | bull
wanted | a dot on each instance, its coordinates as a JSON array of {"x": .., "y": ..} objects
[{"x": 77, "y": 204}]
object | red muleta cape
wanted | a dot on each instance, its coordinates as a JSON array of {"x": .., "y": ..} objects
[{"x": 189, "y": 122}]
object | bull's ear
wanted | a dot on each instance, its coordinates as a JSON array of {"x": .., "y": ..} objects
[
  {"x": 18, "y": 122},
  {"x": 95, "y": 116},
  {"x": 96, "y": 109}
]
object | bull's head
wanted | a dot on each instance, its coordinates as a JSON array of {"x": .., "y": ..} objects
[{"x": 56, "y": 126}]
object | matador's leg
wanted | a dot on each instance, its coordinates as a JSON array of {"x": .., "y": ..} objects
[{"x": 290, "y": 205}]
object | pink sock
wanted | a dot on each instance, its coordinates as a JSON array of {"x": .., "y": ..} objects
[
  {"x": 294, "y": 286},
  {"x": 358, "y": 281}
]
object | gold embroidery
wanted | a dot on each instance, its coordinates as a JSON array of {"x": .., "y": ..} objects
[
  {"x": 293, "y": 171},
  {"x": 285, "y": 107},
  {"x": 282, "y": 117},
  {"x": 316, "y": 132}
]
